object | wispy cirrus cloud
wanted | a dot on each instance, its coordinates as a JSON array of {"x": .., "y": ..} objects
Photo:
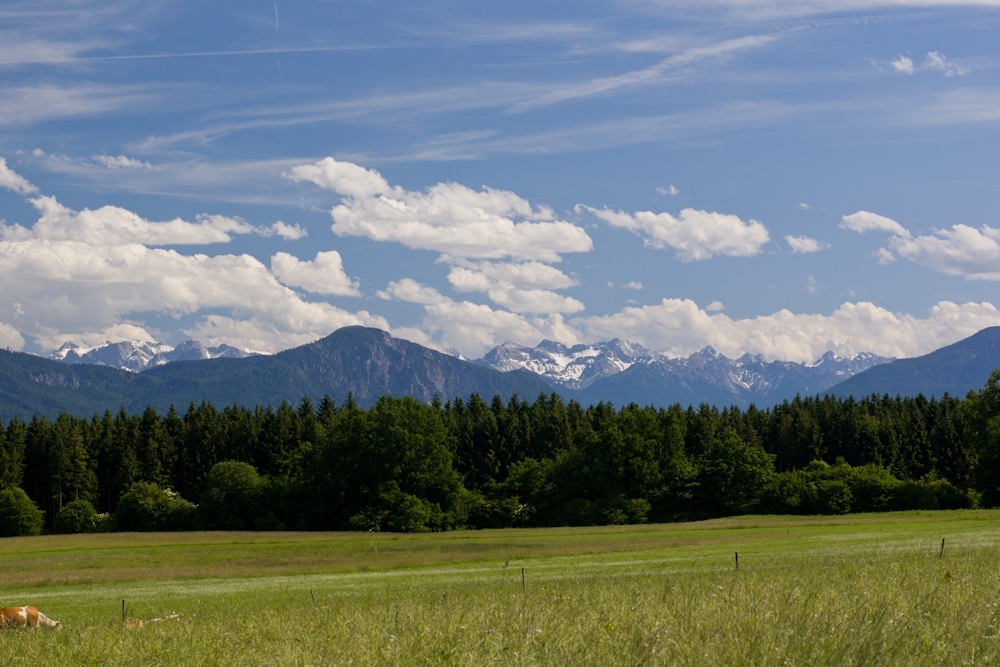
[{"x": 653, "y": 74}]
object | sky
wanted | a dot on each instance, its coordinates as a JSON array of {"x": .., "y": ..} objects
[{"x": 762, "y": 176}]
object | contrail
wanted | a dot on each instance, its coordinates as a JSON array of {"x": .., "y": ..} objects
[{"x": 275, "y": 15}]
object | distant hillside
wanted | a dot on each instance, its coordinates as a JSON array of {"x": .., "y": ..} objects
[
  {"x": 955, "y": 369},
  {"x": 367, "y": 362}
]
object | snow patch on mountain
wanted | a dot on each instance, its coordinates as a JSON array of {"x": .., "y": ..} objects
[{"x": 574, "y": 367}]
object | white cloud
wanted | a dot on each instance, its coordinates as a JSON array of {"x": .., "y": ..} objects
[
  {"x": 471, "y": 328},
  {"x": 884, "y": 256},
  {"x": 715, "y": 307},
  {"x": 633, "y": 284},
  {"x": 811, "y": 284},
  {"x": 13, "y": 181},
  {"x": 695, "y": 235},
  {"x": 678, "y": 328},
  {"x": 86, "y": 275},
  {"x": 669, "y": 190},
  {"x": 959, "y": 251},
  {"x": 937, "y": 61},
  {"x": 323, "y": 275},
  {"x": 804, "y": 206},
  {"x": 448, "y": 218},
  {"x": 112, "y": 225},
  {"x": 10, "y": 338},
  {"x": 865, "y": 221},
  {"x": 292, "y": 232},
  {"x": 903, "y": 64},
  {"x": 523, "y": 274},
  {"x": 805, "y": 244},
  {"x": 516, "y": 286},
  {"x": 120, "y": 162}
]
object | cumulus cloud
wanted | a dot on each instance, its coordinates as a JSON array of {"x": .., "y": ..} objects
[
  {"x": 472, "y": 328},
  {"x": 468, "y": 227},
  {"x": 520, "y": 287},
  {"x": 959, "y": 251},
  {"x": 865, "y": 221},
  {"x": 633, "y": 284},
  {"x": 903, "y": 64},
  {"x": 88, "y": 275},
  {"x": 323, "y": 275},
  {"x": 669, "y": 190},
  {"x": 112, "y": 225},
  {"x": 448, "y": 218},
  {"x": 805, "y": 244},
  {"x": 678, "y": 327},
  {"x": 10, "y": 338},
  {"x": 884, "y": 256},
  {"x": 695, "y": 235},
  {"x": 14, "y": 181},
  {"x": 289, "y": 232},
  {"x": 120, "y": 162}
]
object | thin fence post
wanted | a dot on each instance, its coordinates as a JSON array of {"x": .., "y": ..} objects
[
  {"x": 941, "y": 555},
  {"x": 313, "y": 596},
  {"x": 523, "y": 587},
  {"x": 737, "y": 560},
  {"x": 123, "y": 611}
]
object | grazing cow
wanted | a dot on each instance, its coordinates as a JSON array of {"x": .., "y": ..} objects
[{"x": 26, "y": 617}]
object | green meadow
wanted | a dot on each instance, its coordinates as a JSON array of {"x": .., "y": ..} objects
[{"x": 852, "y": 590}]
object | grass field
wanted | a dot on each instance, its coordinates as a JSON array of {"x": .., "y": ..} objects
[{"x": 855, "y": 590}]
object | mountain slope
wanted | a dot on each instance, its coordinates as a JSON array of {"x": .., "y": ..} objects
[
  {"x": 955, "y": 369},
  {"x": 367, "y": 362}
]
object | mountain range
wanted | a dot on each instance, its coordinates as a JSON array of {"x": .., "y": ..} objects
[
  {"x": 624, "y": 372},
  {"x": 137, "y": 355},
  {"x": 370, "y": 363}
]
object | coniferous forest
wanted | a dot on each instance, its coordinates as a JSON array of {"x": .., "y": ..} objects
[{"x": 468, "y": 463}]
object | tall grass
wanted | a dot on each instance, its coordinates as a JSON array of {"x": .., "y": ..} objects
[{"x": 847, "y": 597}]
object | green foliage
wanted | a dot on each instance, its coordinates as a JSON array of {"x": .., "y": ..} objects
[
  {"x": 18, "y": 515},
  {"x": 405, "y": 466},
  {"x": 78, "y": 516},
  {"x": 146, "y": 507},
  {"x": 233, "y": 498},
  {"x": 731, "y": 474}
]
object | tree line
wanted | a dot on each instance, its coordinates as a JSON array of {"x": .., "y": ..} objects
[{"x": 466, "y": 463}]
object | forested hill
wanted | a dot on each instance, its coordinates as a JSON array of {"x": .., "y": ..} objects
[
  {"x": 955, "y": 369},
  {"x": 368, "y": 362},
  {"x": 405, "y": 465}
]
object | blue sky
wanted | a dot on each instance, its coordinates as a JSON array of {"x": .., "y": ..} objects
[{"x": 771, "y": 177}]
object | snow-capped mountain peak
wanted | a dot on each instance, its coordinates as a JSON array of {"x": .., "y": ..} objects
[
  {"x": 139, "y": 355},
  {"x": 749, "y": 378}
]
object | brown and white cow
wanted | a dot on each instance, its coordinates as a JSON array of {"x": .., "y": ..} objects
[{"x": 26, "y": 617}]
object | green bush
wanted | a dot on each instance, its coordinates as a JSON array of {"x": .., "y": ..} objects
[
  {"x": 78, "y": 516},
  {"x": 18, "y": 515},
  {"x": 233, "y": 497},
  {"x": 145, "y": 507}
]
